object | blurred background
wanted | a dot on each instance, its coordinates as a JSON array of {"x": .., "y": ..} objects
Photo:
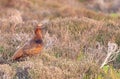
[
  {"x": 59, "y": 8},
  {"x": 107, "y": 6},
  {"x": 77, "y": 36}
]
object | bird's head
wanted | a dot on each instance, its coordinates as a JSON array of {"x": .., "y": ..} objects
[{"x": 38, "y": 30}]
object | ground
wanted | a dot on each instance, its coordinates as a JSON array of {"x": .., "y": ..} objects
[{"x": 75, "y": 39}]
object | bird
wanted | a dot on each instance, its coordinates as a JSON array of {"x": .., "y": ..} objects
[{"x": 32, "y": 47}]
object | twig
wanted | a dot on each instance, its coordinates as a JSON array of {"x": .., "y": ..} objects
[{"x": 111, "y": 53}]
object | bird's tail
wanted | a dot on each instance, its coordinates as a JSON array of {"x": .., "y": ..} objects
[{"x": 17, "y": 54}]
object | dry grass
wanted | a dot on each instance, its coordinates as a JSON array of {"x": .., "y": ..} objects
[{"x": 75, "y": 40}]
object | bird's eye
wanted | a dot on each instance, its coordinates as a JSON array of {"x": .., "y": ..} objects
[{"x": 39, "y": 41}]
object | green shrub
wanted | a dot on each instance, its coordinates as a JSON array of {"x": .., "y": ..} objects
[{"x": 1, "y": 49}]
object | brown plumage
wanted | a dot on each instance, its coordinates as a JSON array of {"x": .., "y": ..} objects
[{"x": 34, "y": 46}]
